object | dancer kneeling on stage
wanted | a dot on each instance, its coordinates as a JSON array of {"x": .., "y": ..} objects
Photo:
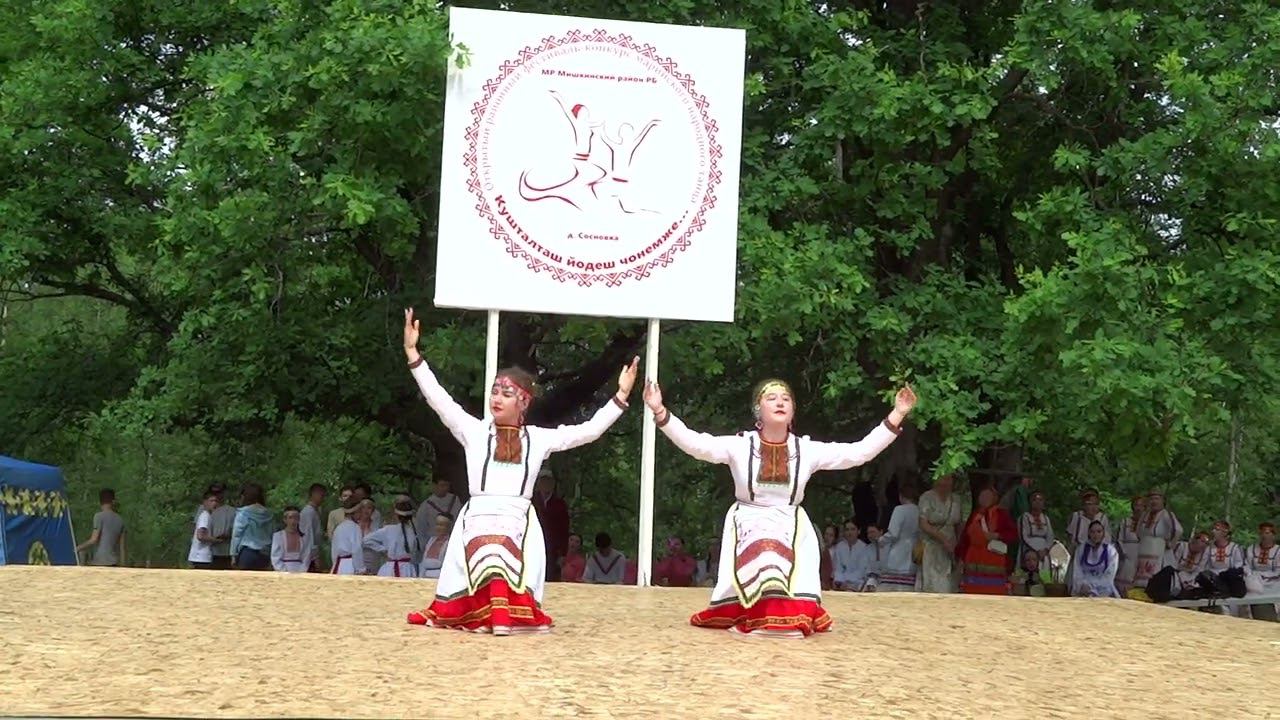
[
  {"x": 769, "y": 582},
  {"x": 495, "y": 563}
]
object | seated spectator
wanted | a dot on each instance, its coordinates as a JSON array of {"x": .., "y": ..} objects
[
  {"x": 827, "y": 563},
  {"x": 1262, "y": 571},
  {"x": 678, "y": 568},
  {"x": 574, "y": 563},
  {"x": 1223, "y": 553},
  {"x": 850, "y": 571},
  {"x": 1034, "y": 527},
  {"x": 1189, "y": 560},
  {"x": 876, "y": 550},
  {"x": 606, "y": 566},
  {"x": 1094, "y": 567},
  {"x": 1030, "y": 579}
]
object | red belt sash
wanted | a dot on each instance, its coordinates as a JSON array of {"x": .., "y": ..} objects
[{"x": 338, "y": 562}]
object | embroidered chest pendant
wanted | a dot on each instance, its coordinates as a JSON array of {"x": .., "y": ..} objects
[
  {"x": 775, "y": 464},
  {"x": 508, "y": 445},
  {"x": 770, "y": 464}
]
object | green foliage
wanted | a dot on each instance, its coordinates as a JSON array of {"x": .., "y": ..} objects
[{"x": 1055, "y": 219}]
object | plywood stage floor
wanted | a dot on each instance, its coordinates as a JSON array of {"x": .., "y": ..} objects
[{"x": 93, "y": 642}]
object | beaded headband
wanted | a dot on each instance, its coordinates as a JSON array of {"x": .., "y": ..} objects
[{"x": 509, "y": 383}]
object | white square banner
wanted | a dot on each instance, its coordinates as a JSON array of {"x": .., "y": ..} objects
[{"x": 590, "y": 167}]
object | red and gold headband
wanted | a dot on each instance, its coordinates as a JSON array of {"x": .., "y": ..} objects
[{"x": 506, "y": 382}]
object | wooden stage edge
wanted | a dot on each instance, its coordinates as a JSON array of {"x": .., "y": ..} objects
[{"x": 101, "y": 642}]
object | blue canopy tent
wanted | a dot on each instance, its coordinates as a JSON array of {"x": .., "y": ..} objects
[{"x": 35, "y": 517}]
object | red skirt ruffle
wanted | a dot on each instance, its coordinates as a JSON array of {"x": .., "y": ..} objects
[
  {"x": 773, "y": 615},
  {"x": 493, "y": 608}
]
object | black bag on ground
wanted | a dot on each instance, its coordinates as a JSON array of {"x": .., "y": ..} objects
[
  {"x": 1212, "y": 584},
  {"x": 1232, "y": 581},
  {"x": 1160, "y": 586}
]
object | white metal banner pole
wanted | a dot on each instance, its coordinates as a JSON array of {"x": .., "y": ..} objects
[
  {"x": 490, "y": 362},
  {"x": 644, "y": 558}
]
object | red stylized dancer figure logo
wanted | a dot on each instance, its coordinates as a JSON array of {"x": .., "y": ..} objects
[{"x": 587, "y": 173}]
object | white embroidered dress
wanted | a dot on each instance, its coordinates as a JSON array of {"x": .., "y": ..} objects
[
  {"x": 498, "y": 534},
  {"x": 769, "y": 547}
]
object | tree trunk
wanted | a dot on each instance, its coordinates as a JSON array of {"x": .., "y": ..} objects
[{"x": 1233, "y": 463}]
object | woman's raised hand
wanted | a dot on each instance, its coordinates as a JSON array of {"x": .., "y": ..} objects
[
  {"x": 905, "y": 400},
  {"x": 653, "y": 397},
  {"x": 411, "y": 333},
  {"x": 627, "y": 378}
]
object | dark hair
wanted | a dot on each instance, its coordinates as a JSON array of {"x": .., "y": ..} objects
[
  {"x": 317, "y": 486},
  {"x": 348, "y": 486},
  {"x": 603, "y": 541},
  {"x": 406, "y": 524},
  {"x": 908, "y": 490},
  {"x": 210, "y": 493},
  {"x": 106, "y": 495},
  {"x": 574, "y": 534},
  {"x": 1098, "y": 523},
  {"x": 290, "y": 508},
  {"x": 368, "y": 491},
  {"x": 252, "y": 493}
]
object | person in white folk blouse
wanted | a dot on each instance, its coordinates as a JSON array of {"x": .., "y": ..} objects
[
  {"x": 291, "y": 548},
  {"x": 850, "y": 571},
  {"x": 433, "y": 550}
]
